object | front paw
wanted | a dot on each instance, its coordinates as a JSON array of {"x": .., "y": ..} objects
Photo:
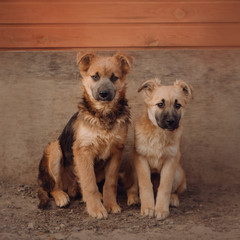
[
  {"x": 161, "y": 215},
  {"x": 112, "y": 208},
  {"x": 147, "y": 211},
  {"x": 97, "y": 211}
]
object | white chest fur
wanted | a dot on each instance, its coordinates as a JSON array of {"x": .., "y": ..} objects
[
  {"x": 156, "y": 147},
  {"x": 100, "y": 141}
]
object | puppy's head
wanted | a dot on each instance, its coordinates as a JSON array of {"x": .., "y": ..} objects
[
  {"x": 103, "y": 77},
  {"x": 166, "y": 104}
]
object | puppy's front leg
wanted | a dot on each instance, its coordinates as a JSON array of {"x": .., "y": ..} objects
[
  {"x": 145, "y": 185},
  {"x": 84, "y": 168},
  {"x": 165, "y": 188},
  {"x": 111, "y": 180}
]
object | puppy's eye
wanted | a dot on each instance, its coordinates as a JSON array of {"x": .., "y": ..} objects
[
  {"x": 161, "y": 105},
  {"x": 177, "y": 105},
  {"x": 95, "y": 77},
  {"x": 114, "y": 78}
]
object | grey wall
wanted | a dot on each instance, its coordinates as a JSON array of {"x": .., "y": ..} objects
[{"x": 40, "y": 91}]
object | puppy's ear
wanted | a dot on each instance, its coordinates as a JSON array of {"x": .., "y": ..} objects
[
  {"x": 85, "y": 59},
  {"x": 149, "y": 85},
  {"x": 187, "y": 90},
  {"x": 125, "y": 61}
]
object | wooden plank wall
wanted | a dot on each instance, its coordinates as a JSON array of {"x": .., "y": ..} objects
[{"x": 114, "y": 23}]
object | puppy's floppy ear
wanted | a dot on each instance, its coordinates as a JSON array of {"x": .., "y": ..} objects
[
  {"x": 186, "y": 89},
  {"x": 125, "y": 61},
  {"x": 84, "y": 60},
  {"x": 148, "y": 86}
]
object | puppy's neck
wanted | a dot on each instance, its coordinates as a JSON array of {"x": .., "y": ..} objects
[{"x": 106, "y": 117}]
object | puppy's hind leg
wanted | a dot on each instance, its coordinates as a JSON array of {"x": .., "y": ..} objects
[
  {"x": 179, "y": 186},
  {"x": 130, "y": 181},
  {"x": 50, "y": 174},
  {"x": 55, "y": 156},
  {"x": 132, "y": 194}
]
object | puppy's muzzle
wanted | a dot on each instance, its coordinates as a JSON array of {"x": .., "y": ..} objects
[
  {"x": 105, "y": 95},
  {"x": 104, "y": 90},
  {"x": 171, "y": 124},
  {"x": 168, "y": 121}
]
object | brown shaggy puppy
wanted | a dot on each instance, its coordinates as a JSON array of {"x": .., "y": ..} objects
[
  {"x": 157, "y": 145},
  {"x": 90, "y": 146}
]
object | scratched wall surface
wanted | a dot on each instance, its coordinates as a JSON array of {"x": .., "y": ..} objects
[
  {"x": 41, "y": 24},
  {"x": 40, "y": 92}
]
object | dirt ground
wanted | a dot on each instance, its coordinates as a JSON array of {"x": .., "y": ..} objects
[{"x": 204, "y": 213}]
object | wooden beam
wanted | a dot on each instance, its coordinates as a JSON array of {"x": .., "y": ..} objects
[{"x": 39, "y": 12}]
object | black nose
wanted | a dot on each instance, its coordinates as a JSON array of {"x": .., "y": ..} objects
[
  {"x": 170, "y": 121},
  {"x": 104, "y": 94}
]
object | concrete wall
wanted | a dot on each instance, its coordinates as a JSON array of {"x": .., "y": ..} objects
[{"x": 40, "y": 91}]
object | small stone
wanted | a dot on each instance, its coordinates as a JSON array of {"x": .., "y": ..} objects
[
  {"x": 62, "y": 225},
  {"x": 30, "y": 226}
]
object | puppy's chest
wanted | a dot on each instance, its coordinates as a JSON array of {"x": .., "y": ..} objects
[
  {"x": 156, "y": 148},
  {"x": 100, "y": 141}
]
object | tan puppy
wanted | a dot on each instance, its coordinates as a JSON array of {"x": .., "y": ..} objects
[
  {"x": 157, "y": 145},
  {"x": 90, "y": 146}
]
